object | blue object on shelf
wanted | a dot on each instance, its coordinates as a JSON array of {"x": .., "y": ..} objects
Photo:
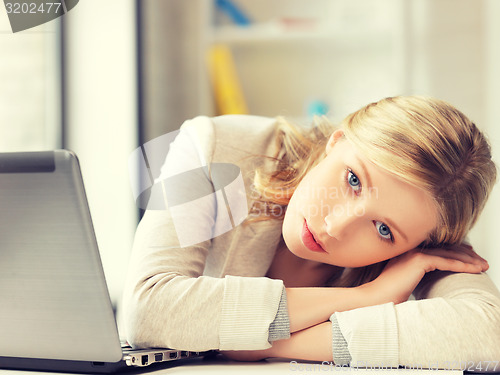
[
  {"x": 317, "y": 108},
  {"x": 233, "y": 11}
]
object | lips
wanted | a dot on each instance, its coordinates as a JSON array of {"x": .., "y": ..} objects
[{"x": 308, "y": 239}]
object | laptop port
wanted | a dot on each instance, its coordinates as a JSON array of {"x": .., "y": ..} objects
[
  {"x": 173, "y": 355},
  {"x": 144, "y": 360},
  {"x": 184, "y": 354},
  {"x": 158, "y": 357}
]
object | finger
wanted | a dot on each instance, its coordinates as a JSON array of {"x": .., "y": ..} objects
[
  {"x": 451, "y": 254},
  {"x": 460, "y": 254},
  {"x": 435, "y": 262},
  {"x": 455, "y": 254},
  {"x": 470, "y": 257},
  {"x": 470, "y": 251}
]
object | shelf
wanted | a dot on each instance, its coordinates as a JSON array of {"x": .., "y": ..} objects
[{"x": 305, "y": 30}]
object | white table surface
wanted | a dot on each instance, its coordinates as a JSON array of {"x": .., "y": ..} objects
[{"x": 220, "y": 365}]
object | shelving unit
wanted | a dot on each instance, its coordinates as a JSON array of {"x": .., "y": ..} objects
[{"x": 296, "y": 52}]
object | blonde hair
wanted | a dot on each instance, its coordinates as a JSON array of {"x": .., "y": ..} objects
[{"x": 424, "y": 141}]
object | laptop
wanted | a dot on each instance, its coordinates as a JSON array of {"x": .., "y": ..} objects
[{"x": 55, "y": 309}]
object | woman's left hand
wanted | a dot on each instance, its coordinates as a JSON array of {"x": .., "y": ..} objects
[{"x": 402, "y": 274}]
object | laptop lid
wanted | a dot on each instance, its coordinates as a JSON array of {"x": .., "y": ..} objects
[{"x": 54, "y": 302}]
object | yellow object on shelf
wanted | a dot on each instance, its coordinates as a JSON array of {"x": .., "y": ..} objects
[{"x": 227, "y": 88}]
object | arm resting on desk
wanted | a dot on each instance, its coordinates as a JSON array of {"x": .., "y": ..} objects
[{"x": 458, "y": 322}]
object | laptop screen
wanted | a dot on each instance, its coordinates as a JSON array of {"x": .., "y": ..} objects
[{"x": 54, "y": 299}]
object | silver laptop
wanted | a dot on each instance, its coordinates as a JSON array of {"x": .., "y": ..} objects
[{"x": 55, "y": 310}]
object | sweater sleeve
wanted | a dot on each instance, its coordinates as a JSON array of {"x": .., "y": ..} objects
[
  {"x": 340, "y": 351},
  {"x": 454, "y": 323},
  {"x": 168, "y": 301},
  {"x": 280, "y": 327}
]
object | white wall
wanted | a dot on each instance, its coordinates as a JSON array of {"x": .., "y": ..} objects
[
  {"x": 490, "y": 221},
  {"x": 102, "y": 110},
  {"x": 29, "y": 87}
]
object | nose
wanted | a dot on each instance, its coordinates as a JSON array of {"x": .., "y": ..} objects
[{"x": 341, "y": 219}]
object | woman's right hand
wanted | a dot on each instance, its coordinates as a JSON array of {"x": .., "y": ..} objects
[{"x": 402, "y": 274}]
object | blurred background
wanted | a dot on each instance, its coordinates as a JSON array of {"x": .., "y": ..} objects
[{"x": 111, "y": 75}]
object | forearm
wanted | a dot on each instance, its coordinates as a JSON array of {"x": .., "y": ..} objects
[
  {"x": 308, "y": 307},
  {"x": 311, "y": 344}
]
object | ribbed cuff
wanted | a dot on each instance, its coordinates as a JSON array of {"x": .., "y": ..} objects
[
  {"x": 279, "y": 329},
  {"x": 341, "y": 355},
  {"x": 372, "y": 335},
  {"x": 249, "y": 306}
]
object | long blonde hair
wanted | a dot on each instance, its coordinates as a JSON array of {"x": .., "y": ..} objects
[{"x": 424, "y": 141}]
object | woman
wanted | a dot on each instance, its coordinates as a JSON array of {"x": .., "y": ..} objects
[{"x": 344, "y": 226}]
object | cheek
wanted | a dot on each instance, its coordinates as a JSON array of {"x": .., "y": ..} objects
[
  {"x": 363, "y": 249},
  {"x": 366, "y": 258}
]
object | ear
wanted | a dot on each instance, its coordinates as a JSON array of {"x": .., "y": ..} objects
[{"x": 334, "y": 138}]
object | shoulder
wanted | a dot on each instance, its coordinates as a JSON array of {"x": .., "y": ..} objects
[
  {"x": 230, "y": 138},
  {"x": 244, "y": 125},
  {"x": 234, "y": 122},
  {"x": 243, "y": 134},
  {"x": 204, "y": 140}
]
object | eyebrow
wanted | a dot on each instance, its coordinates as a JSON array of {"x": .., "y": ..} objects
[{"x": 386, "y": 220}]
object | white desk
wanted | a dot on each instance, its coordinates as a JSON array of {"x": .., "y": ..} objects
[{"x": 221, "y": 366}]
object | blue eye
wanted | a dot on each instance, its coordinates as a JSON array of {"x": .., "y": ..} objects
[
  {"x": 383, "y": 230},
  {"x": 353, "y": 181}
]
